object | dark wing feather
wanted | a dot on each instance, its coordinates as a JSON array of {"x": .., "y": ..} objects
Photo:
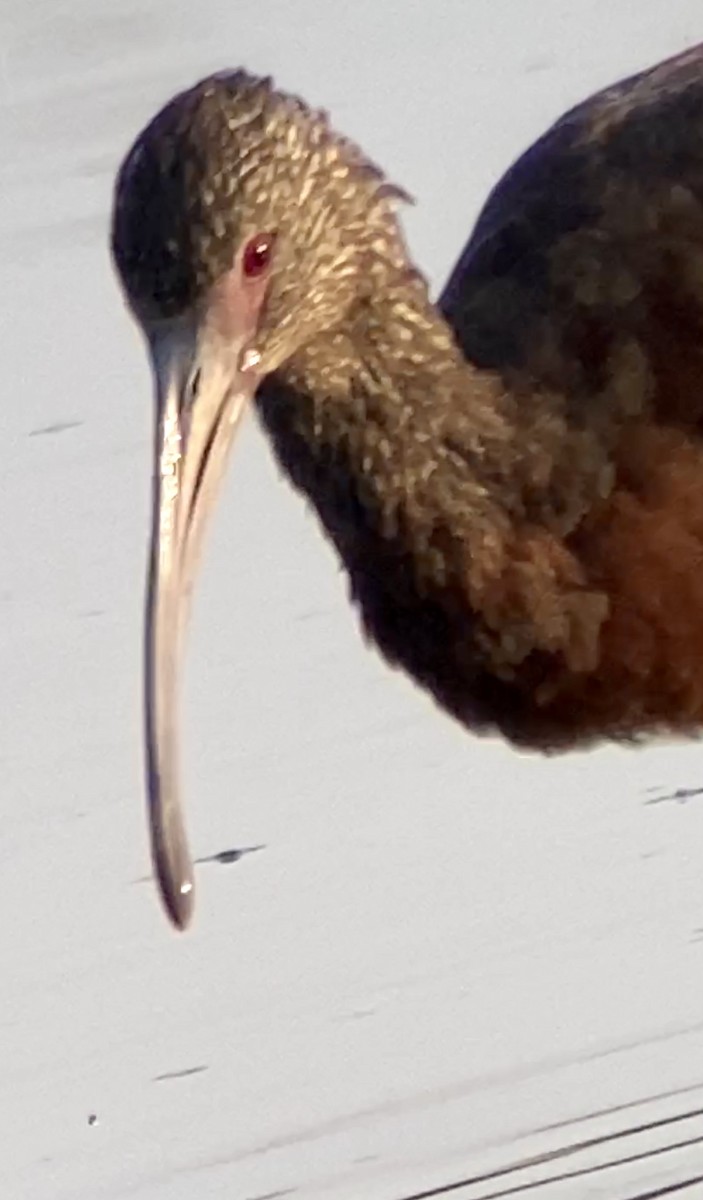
[
  {"x": 582, "y": 288},
  {"x": 585, "y": 269}
]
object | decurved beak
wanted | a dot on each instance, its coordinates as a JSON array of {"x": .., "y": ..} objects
[{"x": 201, "y": 392}]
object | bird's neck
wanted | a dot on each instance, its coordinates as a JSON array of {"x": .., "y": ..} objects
[
  {"x": 383, "y": 421},
  {"x": 448, "y": 497}
]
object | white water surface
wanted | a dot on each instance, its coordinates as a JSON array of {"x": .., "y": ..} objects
[{"x": 447, "y": 961}]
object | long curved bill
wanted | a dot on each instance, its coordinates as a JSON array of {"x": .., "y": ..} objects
[{"x": 200, "y": 396}]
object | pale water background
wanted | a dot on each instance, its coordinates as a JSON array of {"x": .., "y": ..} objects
[{"x": 447, "y": 958}]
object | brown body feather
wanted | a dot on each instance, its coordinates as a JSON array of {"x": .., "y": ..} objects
[
  {"x": 514, "y": 481},
  {"x": 585, "y": 274}
]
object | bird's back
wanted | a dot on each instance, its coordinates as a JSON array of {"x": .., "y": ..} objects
[
  {"x": 592, "y": 234},
  {"x": 584, "y": 279}
]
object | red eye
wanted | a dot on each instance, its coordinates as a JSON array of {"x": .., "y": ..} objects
[{"x": 257, "y": 255}]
